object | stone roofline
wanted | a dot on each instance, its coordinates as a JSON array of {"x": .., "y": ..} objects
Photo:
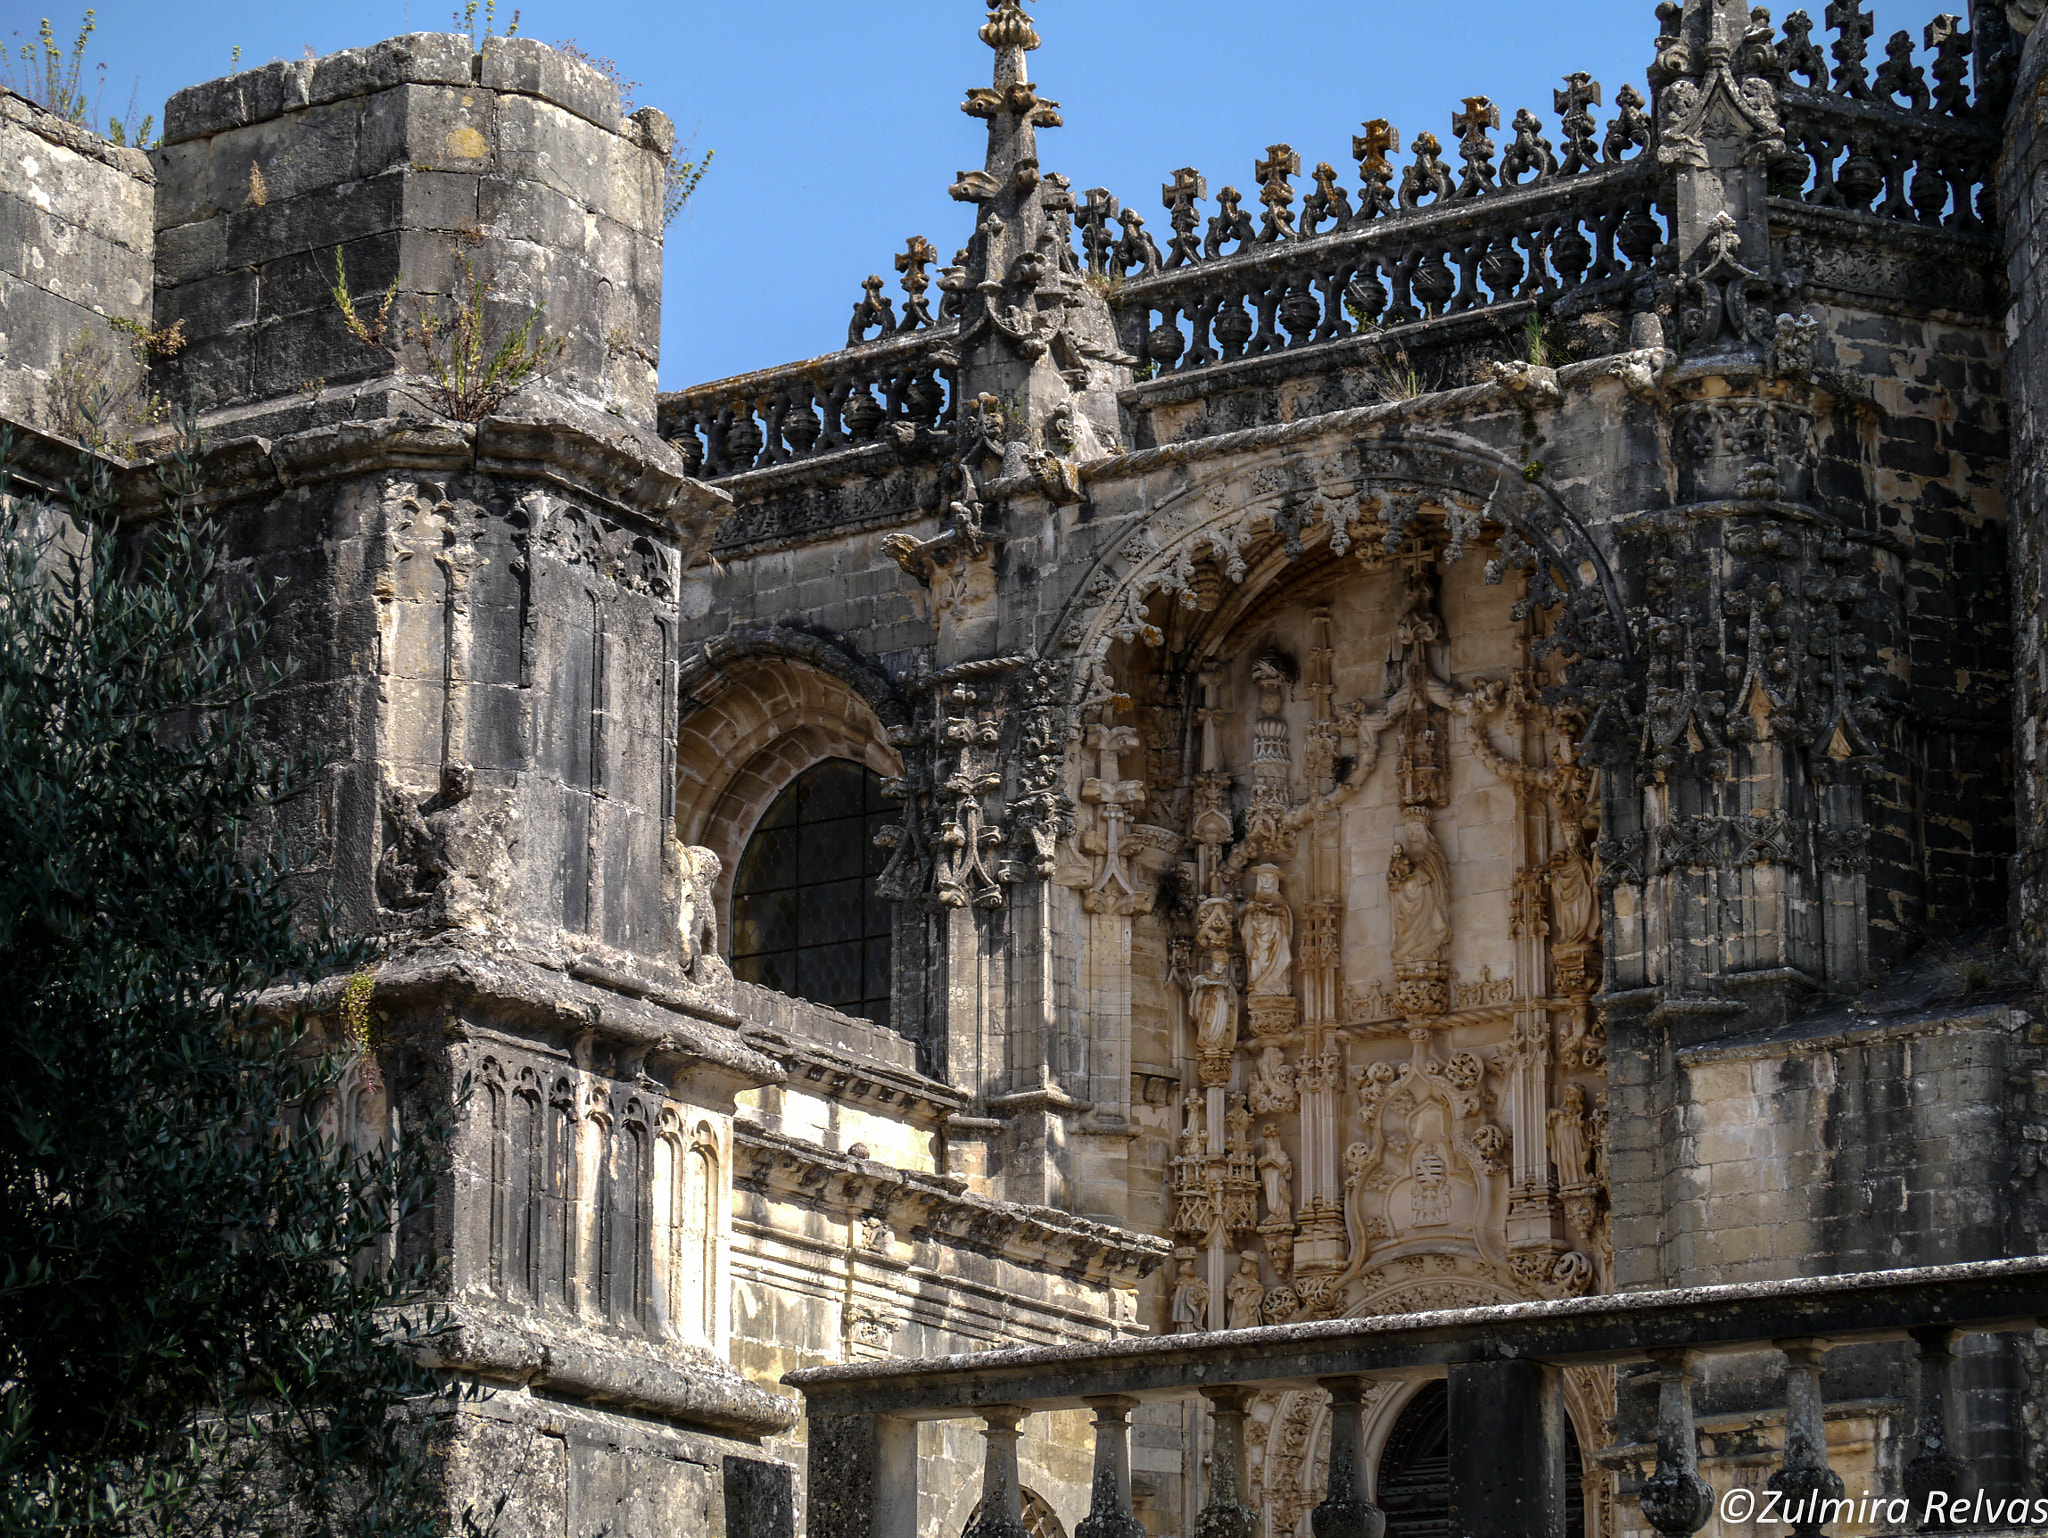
[
  {"x": 941, "y": 1208},
  {"x": 515, "y": 65}
]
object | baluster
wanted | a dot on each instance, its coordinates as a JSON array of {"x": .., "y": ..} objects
[
  {"x": 1226, "y": 1515},
  {"x": 1805, "y": 1480},
  {"x": 1935, "y": 1466},
  {"x": 862, "y": 1476},
  {"x": 1002, "y": 1499},
  {"x": 1109, "y": 1499},
  {"x": 1345, "y": 1512},
  {"x": 1675, "y": 1499}
]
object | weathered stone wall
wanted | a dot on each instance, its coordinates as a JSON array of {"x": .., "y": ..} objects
[
  {"x": 406, "y": 160},
  {"x": 76, "y": 250},
  {"x": 2023, "y": 196}
]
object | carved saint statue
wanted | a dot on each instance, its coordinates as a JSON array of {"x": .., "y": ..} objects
[
  {"x": 1190, "y": 1297},
  {"x": 1419, "y": 881},
  {"x": 1244, "y": 1294},
  {"x": 1268, "y": 936},
  {"x": 1570, "y": 1150},
  {"x": 1276, "y": 1170},
  {"x": 1214, "y": 1005},
  {"x": 1574, "y": 908},
  {"x": 1272, "y": 1087}
]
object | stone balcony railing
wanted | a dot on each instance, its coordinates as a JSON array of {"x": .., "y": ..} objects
[{"x": 1503, "y": 1365}]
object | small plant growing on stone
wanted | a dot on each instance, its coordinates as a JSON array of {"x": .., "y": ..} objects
[
  {"x": 54, "y": 79},
  {"x": 470, "y": 374},
  {"x": 465, "y": 21},
  {"x": 1394, "y": 377},
  {"x": 683, "y": 176},
  {"x": 99, "y": 390}
]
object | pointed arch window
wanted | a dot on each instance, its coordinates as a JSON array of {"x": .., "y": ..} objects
[{"x": 806, "y": 919}]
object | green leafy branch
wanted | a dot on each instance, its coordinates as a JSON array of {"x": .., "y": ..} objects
[{"x": 471, "y": 372}]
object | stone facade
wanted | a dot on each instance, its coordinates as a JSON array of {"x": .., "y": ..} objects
[{"x": 1453, "y": 736}]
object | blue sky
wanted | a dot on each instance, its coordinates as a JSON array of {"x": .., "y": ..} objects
[{"x": 838, "y": 127}]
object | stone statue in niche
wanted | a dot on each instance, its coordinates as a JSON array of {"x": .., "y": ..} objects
[
  {"x": 1276, "y": 1172},
  {"x": 1574, "y": 906},
  {"x": 1570, "y": 1148},
  {"x": 1419, "y": 884},
  {"x": 1272, "y": 1088},
  {"x": 1419, "y": 880},
  {"x": 1268, "y": 936},
  {"x": 1213, "y": 1007},
  {"x": 1190, "y": 1296},
  {"x": 1245, "y": 1293}
]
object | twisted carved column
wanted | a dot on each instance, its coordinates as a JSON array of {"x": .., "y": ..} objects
[
  {"x": 1226, "y": 1515},
  {"x": 1109, "y": 1500},
  {"x": 1675, "y": 1499},
  {"x": 1345, "y": 1512}
]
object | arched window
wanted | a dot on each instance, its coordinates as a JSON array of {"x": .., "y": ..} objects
[{"x": 806, "y": 919}]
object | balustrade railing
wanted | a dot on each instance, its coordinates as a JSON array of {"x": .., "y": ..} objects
[
  {"x": 1910, "y": 136},
  {"x": 1454, "y": 254},
  {"x": 897, "y": 384},
  {"x": 1504, "y": 1366}
]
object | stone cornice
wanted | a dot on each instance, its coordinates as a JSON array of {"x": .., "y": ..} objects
[
  {"x": 552, "y": 439},
  {"x": 675, "y": 1035},
  {"x": 840, "y": 1076},
  {"x": 660, "y": 1377},
  {"x": 940, "y": 1210}
]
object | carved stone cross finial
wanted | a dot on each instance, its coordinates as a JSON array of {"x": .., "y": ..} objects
[
  {"x": 1474, "y": 147},
  {"x": 1276, "y": 192},
  {"x": 1853, "y": 26},
  {"x": 1578, "y": 125}
]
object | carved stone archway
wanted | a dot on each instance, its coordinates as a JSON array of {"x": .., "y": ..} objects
[
  {"x": 758, "y": 709},
  {"x": 1222, "y": 531}
]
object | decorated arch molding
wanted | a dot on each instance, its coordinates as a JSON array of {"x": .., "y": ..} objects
[
  {"x": 1223, "y": 530},
  {"x": 758, "y": 709}
]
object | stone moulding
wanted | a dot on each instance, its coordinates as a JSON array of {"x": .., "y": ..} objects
[
  {"x": 940, "y": 1209},
  {"x": 817, "y": 1070},
  {"x": 622, "y": 471},
  {"x": 514, "y": 66},
  {"x": 675, "y": 1035},
  {"x": 678, "y": 1383}
]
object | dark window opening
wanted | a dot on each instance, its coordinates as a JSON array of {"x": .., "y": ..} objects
[
  {"x": 806, "y": 920},
  {"x": 1415, "y": 1471}
]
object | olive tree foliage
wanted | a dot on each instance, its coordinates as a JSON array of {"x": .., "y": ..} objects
[{"x": 208, "y": 1323}]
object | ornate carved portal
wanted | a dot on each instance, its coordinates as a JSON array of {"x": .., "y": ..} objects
[{"x": 1365, "y": 749}]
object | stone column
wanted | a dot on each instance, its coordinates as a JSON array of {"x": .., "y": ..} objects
[
  {"x": 862, "y": 1477},
  {"x": 1109, "y": 1500},
  {"x": 1675, "y": 1499},
  {"x": 1805, "y": 1478},
  {"x": 1002, "y": 1500},
  {"x": 1507, "y": 1450},
  {"x": 1345, "y": 1512},
  {"x": 1935, "y": 1466},
  {"x": 1228, "y": 1515}
]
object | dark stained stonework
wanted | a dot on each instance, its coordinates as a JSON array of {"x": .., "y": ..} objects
[{"x": 1466, "y": 729}]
